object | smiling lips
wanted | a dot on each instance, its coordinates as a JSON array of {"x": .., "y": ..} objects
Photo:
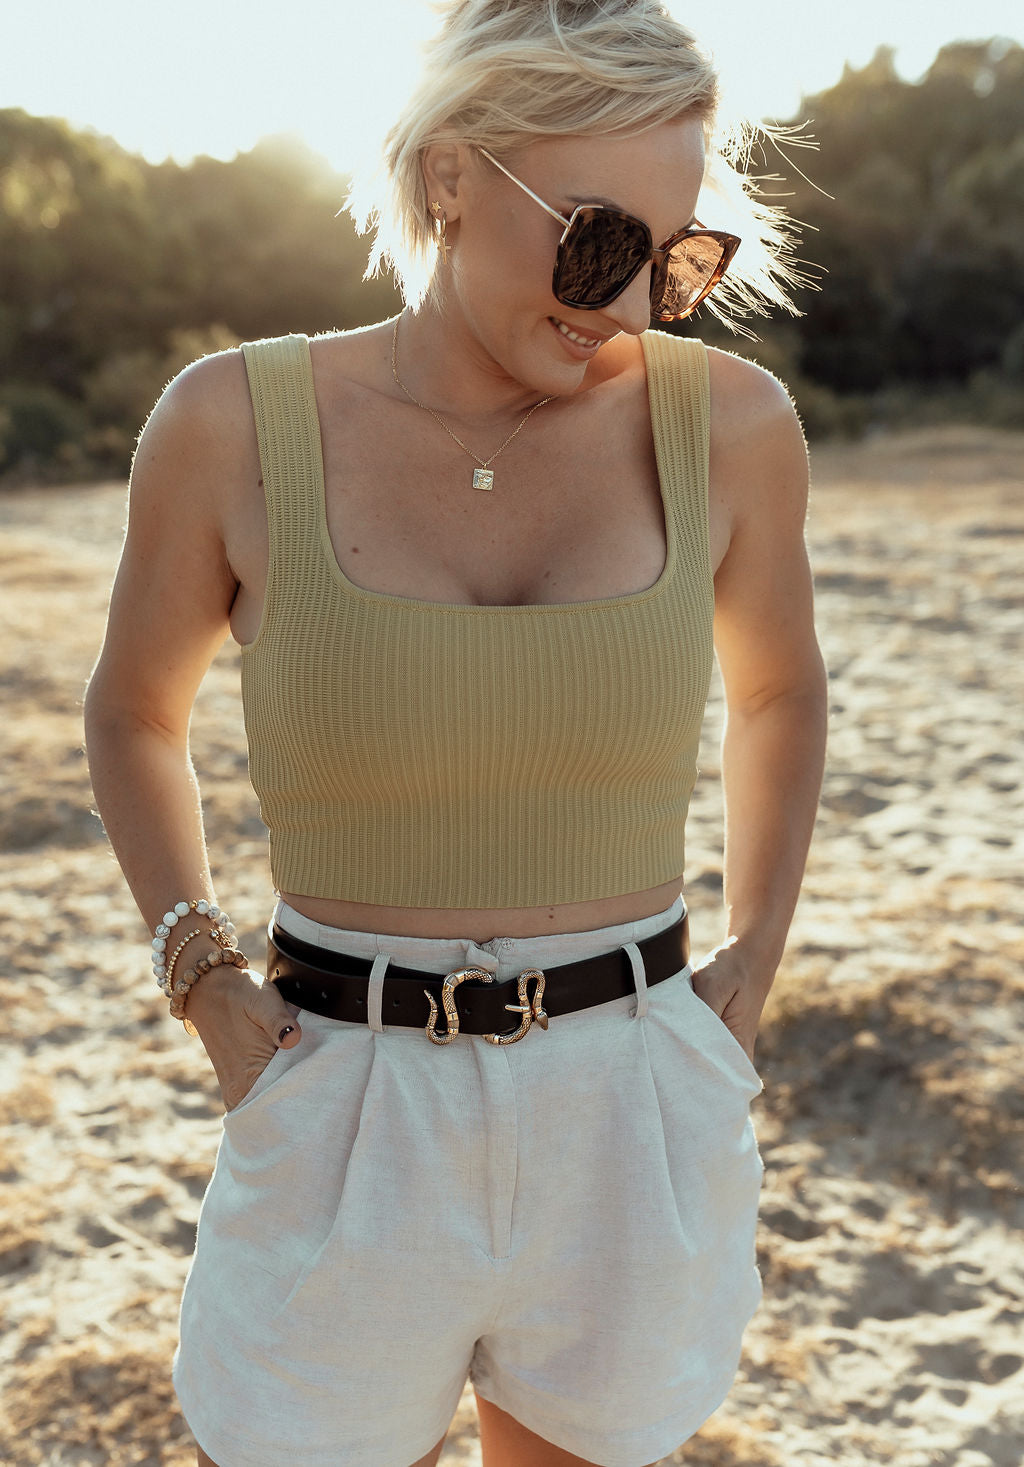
[{"x": 589, "y": 343}]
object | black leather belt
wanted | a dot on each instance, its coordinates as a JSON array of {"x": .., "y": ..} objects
[{"x": 335, "y": 985}]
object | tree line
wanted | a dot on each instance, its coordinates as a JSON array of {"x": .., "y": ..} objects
[
  {"x": 914, "y": 198},
  {"x": 115, "y": 272}
]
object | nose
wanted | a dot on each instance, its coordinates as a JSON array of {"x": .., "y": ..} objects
[{"x": 632, "y": 309}]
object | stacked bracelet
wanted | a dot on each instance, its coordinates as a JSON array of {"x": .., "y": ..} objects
[
  {"x": 183, "y": 985},
  {"x": 162, "y": 965},
  {"x": 167, "y": 984},
  {"x": 222, "y": 932}
]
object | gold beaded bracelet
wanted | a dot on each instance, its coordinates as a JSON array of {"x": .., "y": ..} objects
[
  {"x": 183, "y": 986},
  {"x": 168, "y": 983}
]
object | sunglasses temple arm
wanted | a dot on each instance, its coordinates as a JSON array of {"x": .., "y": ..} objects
[{"x": 546, "y": 207}]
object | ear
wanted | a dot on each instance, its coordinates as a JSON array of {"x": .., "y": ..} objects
[{"x": 444, "y": 165}]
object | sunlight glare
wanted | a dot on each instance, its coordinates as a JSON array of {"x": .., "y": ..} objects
[{"x": 214, "y": 76}]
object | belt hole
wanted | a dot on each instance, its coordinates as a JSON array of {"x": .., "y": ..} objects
[{"x": 394, "y": 1003}]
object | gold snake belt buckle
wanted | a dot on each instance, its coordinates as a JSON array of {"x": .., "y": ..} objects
[{"x": 529, "y": 1009}]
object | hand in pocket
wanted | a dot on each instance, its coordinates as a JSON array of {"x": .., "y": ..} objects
[
  {"x": 243, "y": 1021},
  {"x": 731, "y": 990}
]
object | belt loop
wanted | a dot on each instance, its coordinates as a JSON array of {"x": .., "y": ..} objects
[
  {"x": 636, "y": 962},
  {"x": 375, "y": 993}
]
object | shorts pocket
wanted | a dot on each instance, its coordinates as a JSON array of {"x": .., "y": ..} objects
[
  {"x": 699, "y": 1021},
  {"x": 723, "y": 1037},
  {"x": 704, "y": 1084},
  {"x": 283, "y": 1161}
]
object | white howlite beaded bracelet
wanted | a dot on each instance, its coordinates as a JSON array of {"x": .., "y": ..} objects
[{"x": 222, "y": 928}]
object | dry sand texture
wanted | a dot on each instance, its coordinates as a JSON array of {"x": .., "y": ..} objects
[{"x": 893, "y": 1328}]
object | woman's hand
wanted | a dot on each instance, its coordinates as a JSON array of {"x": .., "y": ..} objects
[
  {"x": 734, "y": 989},
  {"x": 242, "y": 1020}
]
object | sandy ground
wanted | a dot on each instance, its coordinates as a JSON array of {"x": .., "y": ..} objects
[{"x": 891, "y": 1124}]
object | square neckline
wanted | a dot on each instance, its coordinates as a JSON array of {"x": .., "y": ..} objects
[{"x": 415, "y": 603}]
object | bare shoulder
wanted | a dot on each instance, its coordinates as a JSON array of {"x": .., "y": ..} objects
[
  {"x": 357, "y": 357},
  {"x": 208, "y": 394},
  {"x": 764, "y": 622},
  {"x": 748, "y": 404},
  {"x": 199, "y": 442},
  {"x": 175, "y": 585},
  {"x": 758, "y": 456}
]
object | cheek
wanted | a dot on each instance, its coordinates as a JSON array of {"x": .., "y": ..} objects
[{"x": 509, "y": 267}]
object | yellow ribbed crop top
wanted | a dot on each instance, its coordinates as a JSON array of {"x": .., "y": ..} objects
[{"x": 417, "y": 754}]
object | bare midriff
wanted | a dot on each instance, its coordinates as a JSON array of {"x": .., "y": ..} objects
[{"x": 481, "y": 925}]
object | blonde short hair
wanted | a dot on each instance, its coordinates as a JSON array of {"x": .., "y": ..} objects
[{"x": 500, "y": 74}]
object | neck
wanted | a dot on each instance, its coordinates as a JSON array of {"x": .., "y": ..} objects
[{"x": 442, "y": 362}]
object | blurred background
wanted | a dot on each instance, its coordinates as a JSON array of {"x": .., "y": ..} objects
[
  {"x": 169, "y": 180},
  {"x": 170, "y": 177}
]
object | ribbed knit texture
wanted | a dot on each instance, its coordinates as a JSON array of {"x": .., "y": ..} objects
[{"x": 416, "y": 754}]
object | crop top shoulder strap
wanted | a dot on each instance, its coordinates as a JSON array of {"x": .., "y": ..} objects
[
  {"x": 680, "y": 398},
  {"x": 288, "y": 430}
]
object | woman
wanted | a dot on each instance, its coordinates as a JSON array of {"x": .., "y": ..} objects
[{"x": 472, "y": 557}]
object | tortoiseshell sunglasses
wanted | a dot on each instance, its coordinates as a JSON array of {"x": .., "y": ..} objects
[{"x": 602, "y": 250}]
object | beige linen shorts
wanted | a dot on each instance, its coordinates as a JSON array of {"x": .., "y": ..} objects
[{"x": 567, "y": 1220}]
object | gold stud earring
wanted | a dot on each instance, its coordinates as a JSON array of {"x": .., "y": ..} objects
[{"x": 440, "y": 229}]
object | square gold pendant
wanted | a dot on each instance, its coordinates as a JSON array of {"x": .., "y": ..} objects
[{"x": 483, "y": 479}]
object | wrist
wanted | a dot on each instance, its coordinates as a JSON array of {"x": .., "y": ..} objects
[
  {"x": 204, "y": 940},
  {"x": 182, "y": 924},
  {"x": 206, "y": 1001},
  {"x": 196, "y": 947},
  {"x": 186, "y": 978},
  {"x": 757, "y": 954}
]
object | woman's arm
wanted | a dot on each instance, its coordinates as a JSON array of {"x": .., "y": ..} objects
[
  {"x": 168, "y": 615},
  {"x": 774, "y": 681}
]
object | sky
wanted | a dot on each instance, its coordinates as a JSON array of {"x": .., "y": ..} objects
[{"x": 213, "y": 76}]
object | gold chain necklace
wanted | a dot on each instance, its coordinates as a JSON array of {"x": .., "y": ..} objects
[{"x": 483, "y": 477}]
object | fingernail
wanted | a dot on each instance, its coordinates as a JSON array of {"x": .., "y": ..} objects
[{"x": 288, "y": 1029}]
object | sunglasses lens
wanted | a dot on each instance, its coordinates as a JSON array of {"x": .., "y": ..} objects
[
  {"x": 600, "y": 255},
  {"x": 685, "y": 275}
]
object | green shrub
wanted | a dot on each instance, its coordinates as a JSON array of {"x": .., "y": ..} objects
[
  {"x": 1013, "y": 355},
  {"x": 997, "y": 398},
  {"x": 36, "y": 423}
]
